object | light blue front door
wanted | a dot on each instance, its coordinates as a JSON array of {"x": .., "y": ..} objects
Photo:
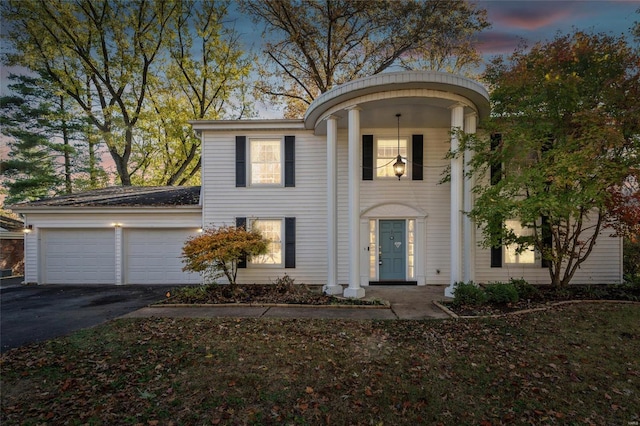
[{"x": 392, "y": 257}]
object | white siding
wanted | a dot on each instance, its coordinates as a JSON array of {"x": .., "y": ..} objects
[
  {"x": 223, "y": 202},
  {"x": 603, "y": 266},
  {"x": 427, "y": 195}
]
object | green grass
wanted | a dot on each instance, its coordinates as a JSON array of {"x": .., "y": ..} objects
[{"x": 577, "y": 364}]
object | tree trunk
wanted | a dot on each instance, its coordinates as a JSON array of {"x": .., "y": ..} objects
[{"x": 66, "y": 153}]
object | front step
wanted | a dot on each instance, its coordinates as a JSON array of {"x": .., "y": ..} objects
[{"x": 393, "y": 282}]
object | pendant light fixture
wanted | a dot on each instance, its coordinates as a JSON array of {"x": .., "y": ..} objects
[{"x": 399, "y": 166}]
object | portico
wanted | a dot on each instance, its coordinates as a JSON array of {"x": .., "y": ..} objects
[{"x": 426, "y": 100}]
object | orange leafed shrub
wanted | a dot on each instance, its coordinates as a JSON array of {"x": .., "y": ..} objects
[{"x": 217, "y": 250}]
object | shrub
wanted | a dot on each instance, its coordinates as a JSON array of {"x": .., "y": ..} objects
[
  {"x": 284, "y": 284},
  {"x": 216, "y": 252},
  {"x": 524, "y": 289},
  {"x": 468, "y": 294},
  {"x": 501, "y": 293}
]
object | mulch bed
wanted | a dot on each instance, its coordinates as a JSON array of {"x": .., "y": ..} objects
[
  {"x": 546, "y": 296},
  {"x": 258, "y": 294}
]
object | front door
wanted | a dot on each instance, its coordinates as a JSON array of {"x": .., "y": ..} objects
[{"x": 392, "y": 256}]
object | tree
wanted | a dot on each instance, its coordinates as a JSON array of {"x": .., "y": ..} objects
[
  {"x": 111, "y": 56},
  {"x": 217, "y": 251},
  {"x": 567, "y": 113},
  {"x": 324, "y": 43},
  {"x": 206, "y": 75},
  {"x": 111, "y": 44},
  {"x": 44, "y": 140}
]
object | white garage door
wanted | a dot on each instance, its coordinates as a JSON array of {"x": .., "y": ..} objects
[
  {"x": 78, "y": 256},
  {"x": 153, "y": 256}
]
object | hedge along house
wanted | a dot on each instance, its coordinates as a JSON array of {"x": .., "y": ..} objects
[{"x": 324, "y": 190}]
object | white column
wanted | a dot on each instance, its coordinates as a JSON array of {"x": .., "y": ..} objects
[
  {"x": 354, "y": 290},
  {"x": 468, "y": 231},
  {"x": 118, "y": 249},
  {"x": 457, "y": 124},
  {"x": 31, "y": 256},
  {"x": 332, "y": 286}
]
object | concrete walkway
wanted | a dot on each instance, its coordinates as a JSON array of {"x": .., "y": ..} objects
[{"x": 407, "y": 302}]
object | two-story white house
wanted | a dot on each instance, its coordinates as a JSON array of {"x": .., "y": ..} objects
[{"x": 323, "y": 189}]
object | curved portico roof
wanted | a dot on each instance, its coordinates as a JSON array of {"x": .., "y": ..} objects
[{"x": 400, "y": 92}]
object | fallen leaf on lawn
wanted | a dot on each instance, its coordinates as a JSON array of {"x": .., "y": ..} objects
[
  {"x": 309, "y": 390},
  {"x": 367, "y": 391},
  {"x": 66, "y": 385}
]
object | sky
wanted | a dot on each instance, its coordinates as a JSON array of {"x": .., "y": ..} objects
[{"x": 514, "y": 21}]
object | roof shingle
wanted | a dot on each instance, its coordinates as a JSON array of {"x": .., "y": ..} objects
[{"x": 124, "y": 196}]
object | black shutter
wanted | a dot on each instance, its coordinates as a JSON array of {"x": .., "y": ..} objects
[
  {"x": 367, "y": 157},
  {"x": 417, "y": 153},
  {"x": 241, "y": 161},
  {"x": 289, "y": 161},
  {"x": 496, "y": 168},
  {"x": 496, "y": 251},
  {"x": 496, "y": 257},
  {"x": 289, "y": 242},
  {"x": 547, "y": 239},
  {"x": 496, "y": 176},
  {"x": 241, "y": 222}
]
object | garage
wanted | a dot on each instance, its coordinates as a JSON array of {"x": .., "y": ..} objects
[
  {"x": 78, "y": 256},
  {"x": 116, "y": 235},
  {"x": 153, "y": 256}
]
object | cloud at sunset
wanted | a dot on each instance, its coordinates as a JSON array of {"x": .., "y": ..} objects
[
  {"x": 515, "y": 22},
  {"x": 496, "y": 42},
  {"x": 531, "y": 15}
]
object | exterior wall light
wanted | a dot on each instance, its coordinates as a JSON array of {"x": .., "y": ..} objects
[
  {"x": 399, "y": 166},
  {"x": 116, "y": 225},
  {"x": 28, "y": 229}
]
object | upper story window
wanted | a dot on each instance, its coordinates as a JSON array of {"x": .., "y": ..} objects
[
  {"x": 266, "y": 161},
  {"x": 386, "y": 154},
  {"x": 511, "y": 255}
]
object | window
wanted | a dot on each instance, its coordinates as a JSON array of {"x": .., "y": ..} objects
[
  {"x": 386, "y": 153},
  {"x": 271, "y": 229},
  {"x": 266, "y": 161},
  {"x": 526, "y": 257}
]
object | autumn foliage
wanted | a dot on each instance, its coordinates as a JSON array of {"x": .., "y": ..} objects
[
  {"x": 217, "y": 251},
  {"x": 566, "y": 113}
]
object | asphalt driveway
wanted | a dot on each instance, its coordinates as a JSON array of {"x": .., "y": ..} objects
[{"x": 36, "y": 313}]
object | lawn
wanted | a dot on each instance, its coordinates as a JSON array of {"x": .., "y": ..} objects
[{"x": 576, "y": 364}]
